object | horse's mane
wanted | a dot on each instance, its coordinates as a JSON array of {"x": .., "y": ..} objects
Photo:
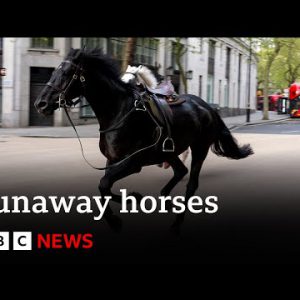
[
  {"x": 148, "y": 77},
  {"x": 144, "y": 76},
  {"x": 107, "y": 66}
]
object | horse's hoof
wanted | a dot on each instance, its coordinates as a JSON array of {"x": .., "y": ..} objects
[{"x": 115, "y": 223}]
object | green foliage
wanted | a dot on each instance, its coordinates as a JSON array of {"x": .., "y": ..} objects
[
  {"x": 269, "y": 52},
  {"x": 286, "y": 65},
  {"x": 286, "y": 68}
]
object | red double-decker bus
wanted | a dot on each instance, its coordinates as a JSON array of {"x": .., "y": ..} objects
[
  {"x": 273, "y": 99},
  {"x": 294, "y": 97}
]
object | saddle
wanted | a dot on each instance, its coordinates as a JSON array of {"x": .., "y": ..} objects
[
  {"x": 165, "y": 90},
  {"x": 160, "y": 100}
]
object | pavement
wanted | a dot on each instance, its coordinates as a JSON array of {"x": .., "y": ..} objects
[
  {"x": 92, "y": 130},
  {"x": 255, "y": 119}
]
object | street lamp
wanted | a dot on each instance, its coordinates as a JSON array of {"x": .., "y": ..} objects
[{"x": 249, "y": 83}]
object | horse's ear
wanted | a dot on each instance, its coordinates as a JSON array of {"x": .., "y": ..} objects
[{"x": 77, "y": 54}]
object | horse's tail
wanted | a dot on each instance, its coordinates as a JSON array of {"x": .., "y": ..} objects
[{"x": 226, "y": 145}]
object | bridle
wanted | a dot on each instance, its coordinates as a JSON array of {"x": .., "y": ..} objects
[
  {"x": 78, "y": 74},
  {"x": 139, "y": 105}
]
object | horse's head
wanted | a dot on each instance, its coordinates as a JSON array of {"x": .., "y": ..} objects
[{"x": 64, "y": 85}]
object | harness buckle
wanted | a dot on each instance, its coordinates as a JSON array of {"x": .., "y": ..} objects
[
  {"x": 61, "y": 100},
  {"x": 136, "y": 103},
  {"x": 75, "y": 76},
  {"x": 82, "y": 79},
  {"x": 168, "y": 145}
]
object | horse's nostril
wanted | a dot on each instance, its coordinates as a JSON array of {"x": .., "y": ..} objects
[{"x": 42, "y": 104}]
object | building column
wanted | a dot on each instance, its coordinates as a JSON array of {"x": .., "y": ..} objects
[{"x": 10, "y": 111}]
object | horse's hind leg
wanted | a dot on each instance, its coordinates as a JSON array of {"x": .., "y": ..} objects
[
  {"x": 179, "y": 169},
  {"x": 199, "y": 153}
]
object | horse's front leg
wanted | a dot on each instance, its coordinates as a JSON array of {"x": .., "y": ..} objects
[
  {"x": 107, "y": 181},
  {"x": 179, "y": 169},
  {"x": 199, "y": 153}
]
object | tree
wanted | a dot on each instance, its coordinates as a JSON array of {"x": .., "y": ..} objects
[
  {"x": 286, "y": 68},
  {"x": 269, "y": 50},
  {"x": 179, "y": 51},
  {"x": 129, "y": 53}
]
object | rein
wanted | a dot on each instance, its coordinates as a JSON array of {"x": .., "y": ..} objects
[
  {"x": 111, "y": 129},
  {"x": 63, "y": 102},
  {"x": 62, "y": 91}
]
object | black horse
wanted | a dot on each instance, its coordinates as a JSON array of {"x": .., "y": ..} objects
[{"x": 130, "y": 136}]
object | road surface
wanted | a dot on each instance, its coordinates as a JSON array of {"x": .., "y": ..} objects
[{"x": 258, "y": 217}]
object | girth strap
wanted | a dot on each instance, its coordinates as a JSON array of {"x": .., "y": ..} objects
[{"x": 165, "y": 116}]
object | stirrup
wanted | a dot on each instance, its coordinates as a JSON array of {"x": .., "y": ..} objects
[
  {"x": 170, "y": 147},
  {"x": 136, "y": 103}
]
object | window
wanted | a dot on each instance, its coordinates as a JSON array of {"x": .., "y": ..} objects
[
  {"x": 42, "y": 42},
  {"x": 221, "y": 54},
  {"x": 210, "y": 88},
  {"x": 211, "y": 57},
  {"x": 220, "y": 91},
  {"x": 239, "y": 79},
  {"x": 116, "y": 48},
  {"x": 200, "y": 86},
  {"x": 146, "y": 51},
  {"x": 211, "y": 71},
  {"x": 226, "y": 94},
  {"x": 227, "y": 76},
  {"x": 93, "y": 42},
  {"x": 201, "y": 45},
  {"x": 227, "y": 72},
  {"x": 212, "y": 49},
  {"x": 86, "y": 112}
]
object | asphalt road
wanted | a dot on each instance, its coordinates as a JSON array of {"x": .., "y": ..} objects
[
  {"x": 258, "y": 199},
  {"x": 288, "y": 126}
]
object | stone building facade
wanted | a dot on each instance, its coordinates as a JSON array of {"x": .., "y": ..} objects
[{"x": 217, "y": 70}]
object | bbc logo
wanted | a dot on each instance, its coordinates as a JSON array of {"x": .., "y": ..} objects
[{"x": 22, "y": 240}]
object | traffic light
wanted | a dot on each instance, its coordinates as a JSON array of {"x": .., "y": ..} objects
[{"x": 2, "y": 71}]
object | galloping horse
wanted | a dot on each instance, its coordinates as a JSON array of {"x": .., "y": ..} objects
[{"x": 131, "y": 137}]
